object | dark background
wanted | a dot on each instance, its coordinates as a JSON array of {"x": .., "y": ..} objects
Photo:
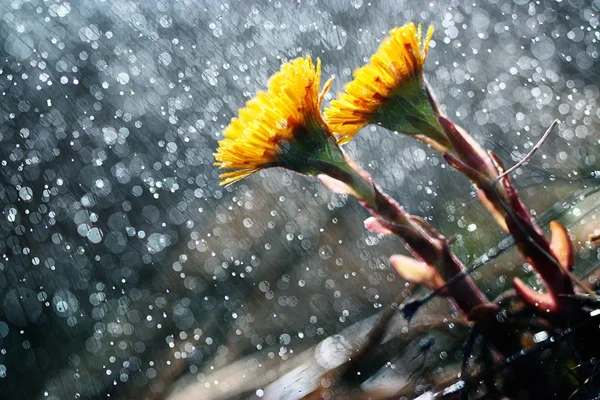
[{"x": 124, "y": 266}]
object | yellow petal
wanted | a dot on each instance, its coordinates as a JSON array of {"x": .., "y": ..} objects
[{"x": 400, "y": 58}]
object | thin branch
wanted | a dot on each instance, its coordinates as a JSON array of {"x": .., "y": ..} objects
[{"x": 528, "y": 155}]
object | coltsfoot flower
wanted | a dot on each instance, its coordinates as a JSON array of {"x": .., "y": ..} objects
[
  {"x": 283, "y": 127},
  {"x": 390, "y": 91}
]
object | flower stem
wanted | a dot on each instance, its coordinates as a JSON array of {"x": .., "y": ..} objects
[
  {"x": 503, "y": 202},
  {"x": 422, "y": 240}
]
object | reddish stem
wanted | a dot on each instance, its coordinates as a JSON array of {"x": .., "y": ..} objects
[
  {"x": 426, "y": 244},
  {"x": 470, "y": 159}
]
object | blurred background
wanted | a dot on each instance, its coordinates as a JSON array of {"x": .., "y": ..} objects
[{"x": 127, "y": 272}]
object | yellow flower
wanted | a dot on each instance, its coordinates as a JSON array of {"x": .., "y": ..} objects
[
  {"x": 389, "y": 91},
  {"x": 281, "y": 127}
]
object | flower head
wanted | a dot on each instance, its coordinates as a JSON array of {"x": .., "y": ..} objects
[
  {"x": 389, "y": 90},
  {"x": 281, "y": 127}
]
